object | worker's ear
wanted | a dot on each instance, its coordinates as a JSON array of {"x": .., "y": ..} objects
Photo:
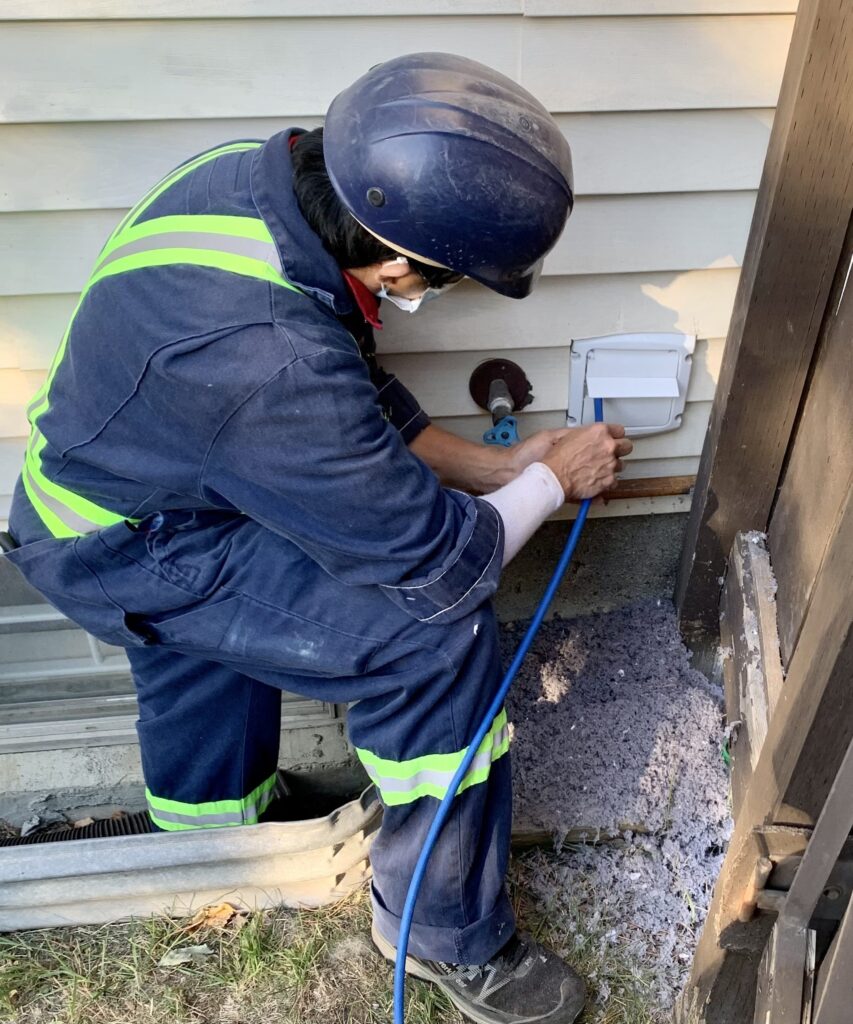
[{"x": 393, "y": 270}]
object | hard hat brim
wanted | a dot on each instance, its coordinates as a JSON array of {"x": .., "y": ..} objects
[{"x": 517, "y": 286}]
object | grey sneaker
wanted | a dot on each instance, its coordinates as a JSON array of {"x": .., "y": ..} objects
[{"x": 523, "y": 983}]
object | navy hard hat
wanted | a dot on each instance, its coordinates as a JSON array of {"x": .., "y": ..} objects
[{"x": 453, "y": 163}]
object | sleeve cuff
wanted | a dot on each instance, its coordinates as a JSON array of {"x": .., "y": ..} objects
[
  {"x": 469, "y": 577},
  {"x": 399, "y": 406}
]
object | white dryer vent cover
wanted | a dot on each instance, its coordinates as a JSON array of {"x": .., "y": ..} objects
[{"x": 642, "y": 379}]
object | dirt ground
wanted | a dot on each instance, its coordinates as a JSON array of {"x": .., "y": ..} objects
[{"x": 611, "y": 728}]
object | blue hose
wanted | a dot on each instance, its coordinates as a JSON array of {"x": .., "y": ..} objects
[{"x": 493, "y": 710}]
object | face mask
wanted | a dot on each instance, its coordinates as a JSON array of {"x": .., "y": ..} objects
[{"x": 413, "y": 305}]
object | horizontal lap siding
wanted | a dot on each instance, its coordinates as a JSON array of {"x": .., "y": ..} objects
[
  {"x": 50, "y": 252},
  {"x": 443, "y": 390},
  {"x": 668, "y": 116},
  {"x": 110, "y": 164},
  {"x": 59, "y": 9},
  {"x": 138, "y": 70}
]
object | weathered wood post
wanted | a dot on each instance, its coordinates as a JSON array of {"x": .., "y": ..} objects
[{"x": 798, "y": 228}]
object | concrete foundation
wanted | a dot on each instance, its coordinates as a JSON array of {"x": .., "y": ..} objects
[
  {"x": 618, "y": 561},
  {"x": 68, "y": 783}
]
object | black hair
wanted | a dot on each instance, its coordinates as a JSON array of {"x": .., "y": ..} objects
[{"x": 341, "y": 234}]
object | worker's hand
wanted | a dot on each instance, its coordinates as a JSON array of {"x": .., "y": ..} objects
[
  {"x": 532, "y": 449},
  {"x": 586, "y": 459}
]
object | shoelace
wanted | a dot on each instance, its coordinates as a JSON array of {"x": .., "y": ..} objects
[{"x": 507, "y": 958}]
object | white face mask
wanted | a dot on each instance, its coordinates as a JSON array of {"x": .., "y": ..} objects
[{"x": 413, "y": 305}]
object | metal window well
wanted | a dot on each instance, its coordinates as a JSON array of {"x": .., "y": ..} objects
[
  {"x": 67, "y": 740},
  {"x": 642, "y": 379},
  {"x": 68, "y": 712},
  {"x": 307, "y": 863}
]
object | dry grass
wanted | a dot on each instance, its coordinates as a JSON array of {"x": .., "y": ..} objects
[{"x": 283, "y": 967}]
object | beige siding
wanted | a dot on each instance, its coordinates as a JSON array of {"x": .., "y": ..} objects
[
  {"x": 110, "y": 164},
  {"x": 59, "y": 9},
  {"x": 444, "y": 379},
  {"x": 49, "y": 252},
  {"x": 667, "y": 103},
  {"x": 576, "y": 8},
  {"x": 140, "y": 70}
]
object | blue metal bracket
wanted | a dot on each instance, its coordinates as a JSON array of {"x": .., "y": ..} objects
[{"x": 504, "y": 433}]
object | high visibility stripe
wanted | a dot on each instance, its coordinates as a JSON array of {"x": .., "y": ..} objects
[
  {"x": 244, "y": 265},
  {"x": 154, "y": 193},
  {"x": 403, "y": 782},
  {"x": 57, "y": 515},
  {"x": 174, "y": 815},
  {"x": 242, "y": 227},
  {"x": 237, "y": 245},
  {"x": 57, "y": 526},
  {"x": 251, "y": 248},
  {"x": 86, "y": 511}
]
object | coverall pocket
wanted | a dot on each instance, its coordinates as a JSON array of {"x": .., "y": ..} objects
[{"x": 233, "y": 628}]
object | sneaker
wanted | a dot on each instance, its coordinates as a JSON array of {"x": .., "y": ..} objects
[{"x": 523, "y": 983}]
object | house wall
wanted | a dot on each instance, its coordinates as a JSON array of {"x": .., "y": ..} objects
[{"x": 667, "y": 105}]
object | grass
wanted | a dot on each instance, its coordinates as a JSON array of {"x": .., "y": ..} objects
[{"x": 282, "y": 967}]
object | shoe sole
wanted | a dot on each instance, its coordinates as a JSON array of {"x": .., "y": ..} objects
[{"x": 414, "y": 970}]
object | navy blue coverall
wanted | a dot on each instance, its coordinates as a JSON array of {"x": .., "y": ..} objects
[{"x": 272, "y": 531}]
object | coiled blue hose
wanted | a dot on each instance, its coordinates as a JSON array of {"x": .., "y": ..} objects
[{"x": 493, "y": 710}]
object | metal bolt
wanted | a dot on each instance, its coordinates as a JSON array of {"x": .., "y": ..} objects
[
  {"x": 525, "y": 123},
  {"x": 832, "y": 892},
  {"x": 376, "y": 197}
]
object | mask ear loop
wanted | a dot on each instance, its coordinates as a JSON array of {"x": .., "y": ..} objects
[{"x": 397, "y": 259}]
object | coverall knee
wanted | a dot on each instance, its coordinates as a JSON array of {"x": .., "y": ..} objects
[{"x": 250, "y": 615}]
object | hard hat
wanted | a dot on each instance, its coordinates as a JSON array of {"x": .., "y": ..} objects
[{"x": 451, "y": 162}]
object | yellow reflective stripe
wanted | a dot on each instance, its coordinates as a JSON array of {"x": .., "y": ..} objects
[
  {"x": 50, "y": 519},
  {"x": 238, "y": 227},
  {"x": 153, "y": 193},
  {"x": 403, "y": 782},
  {"x": 244, "y": 265},
  {"x": 436, "y": 762},
  {"x": 64, "y": 512},
  {"x": 66, "y": 519},
  {"x": 176, "y": 815},
  {"x": 82, "y": 507},
  {"x": 40, "y": 401}
]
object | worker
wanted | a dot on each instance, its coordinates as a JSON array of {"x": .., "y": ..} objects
[{"x": 221, "y": 479}]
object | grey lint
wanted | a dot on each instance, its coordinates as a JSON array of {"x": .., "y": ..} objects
[{"x": 613, "y": 730}]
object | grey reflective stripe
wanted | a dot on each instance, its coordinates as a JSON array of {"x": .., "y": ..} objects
[
  {"x": 430, "y": 777},
  {"x": 265, "y": 252},
  {"x": 68, "y": 516},
  {"x": 35, "y": 403},
  {"x": 248, "y": 816},
  {"x": 197, "y": 820}
]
